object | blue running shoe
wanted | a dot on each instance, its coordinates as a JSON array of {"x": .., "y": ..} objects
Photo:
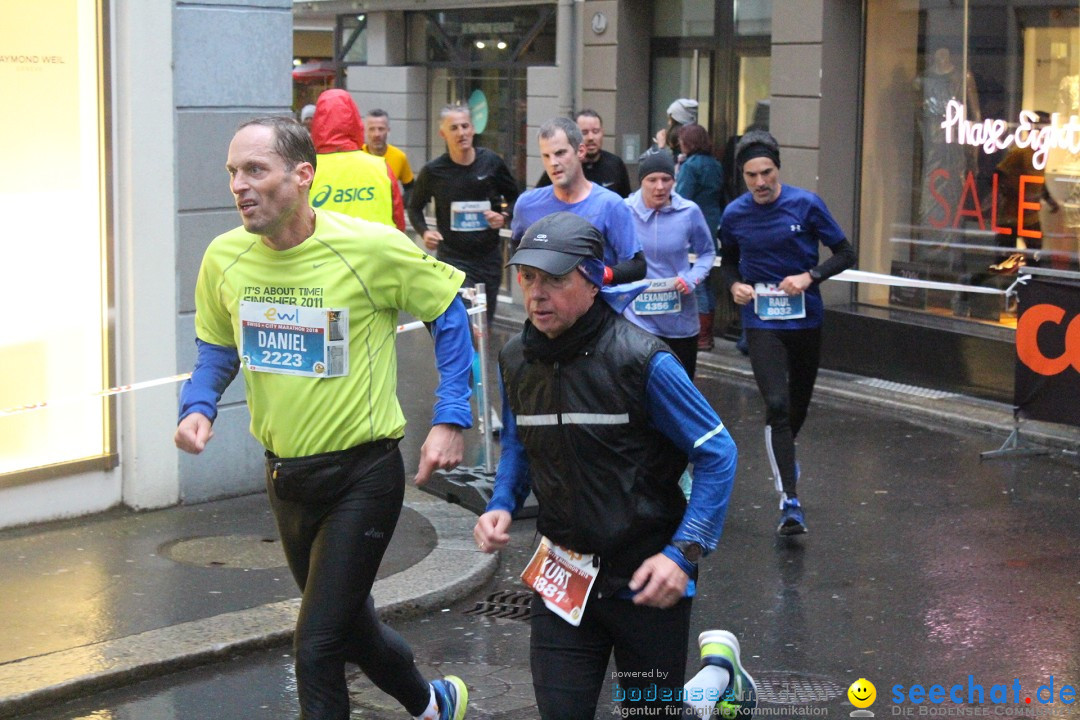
[
  {"x": 721, "y": 648},
  {"x": 792, "y": 519},
  {"x": 452, "y": 697}
]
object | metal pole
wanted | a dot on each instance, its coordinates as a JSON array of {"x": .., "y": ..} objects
[
  {"x": 483, "y": 405},
  {"x": 565, "y": 57}
]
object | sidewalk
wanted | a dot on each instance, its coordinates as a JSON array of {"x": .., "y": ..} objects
[
  {"x": 99, "y": 602},
  {"x": 109, "y": 600}
]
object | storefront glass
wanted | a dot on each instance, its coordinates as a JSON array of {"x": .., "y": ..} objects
[
  {"x": 54, "y": 337},
  {"x": 501, "y": 124},
  {"x": 687, "y": 75},
  {"x": 971, "y": 149},
  {"x": 684, "y": 18},
  {"x": 524, "y": 35},
  {"x": 753, "y": 17},
  {"x": 479, "y": 58}
]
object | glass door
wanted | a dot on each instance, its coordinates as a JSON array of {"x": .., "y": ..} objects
[
  {"x": 497, "y": 97},
  {"x": 686, "y": 74}
]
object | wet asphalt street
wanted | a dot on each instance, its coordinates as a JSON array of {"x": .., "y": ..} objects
[{"x": 923, "y": 566}]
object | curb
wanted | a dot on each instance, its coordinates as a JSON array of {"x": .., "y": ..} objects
[
  {"x": 955, "y": 410},
  {"x": 452, "y": 570}
]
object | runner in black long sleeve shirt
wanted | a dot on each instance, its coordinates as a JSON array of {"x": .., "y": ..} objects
[{"x": 474, "y": 196}]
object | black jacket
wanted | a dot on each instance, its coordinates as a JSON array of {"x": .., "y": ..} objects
[{"x": 605, "y": 481}]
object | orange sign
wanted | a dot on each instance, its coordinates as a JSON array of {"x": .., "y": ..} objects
[
  {"x": 1027, "y": 340},
  {"x": 1048, "y": 350}
]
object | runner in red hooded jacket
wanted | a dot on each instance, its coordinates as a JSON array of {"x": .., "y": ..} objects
[{"x": 347, "y": 179}]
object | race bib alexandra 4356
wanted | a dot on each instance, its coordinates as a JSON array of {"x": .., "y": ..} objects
[
  {"x": 660, "y": 298},
  {"x": 291, "y": 340}
]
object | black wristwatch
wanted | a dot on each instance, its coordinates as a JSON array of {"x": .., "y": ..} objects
[
  {"x": 691, "y": 551},
  {"x": 814, "y": 275}
]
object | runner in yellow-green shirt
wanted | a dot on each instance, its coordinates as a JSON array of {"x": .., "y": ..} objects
[
  {"x": 306, "y": 304},
  {"x": 377, "y": 130}
]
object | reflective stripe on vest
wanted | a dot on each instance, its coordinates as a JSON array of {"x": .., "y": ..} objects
[{"x": 574, "y": 419}]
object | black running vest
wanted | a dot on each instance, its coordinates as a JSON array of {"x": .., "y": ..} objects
[{"x": 605, "y": 481}]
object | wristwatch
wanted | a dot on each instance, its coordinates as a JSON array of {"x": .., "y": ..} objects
[
  {"x": 814, "y": 275},
  {"x": 690, "y": 550}
]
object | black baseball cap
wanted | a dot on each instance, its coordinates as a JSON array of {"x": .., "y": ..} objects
[{"x": 558, "y": 243}]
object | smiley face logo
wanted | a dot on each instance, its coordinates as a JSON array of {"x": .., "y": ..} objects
[{"x": 862, "y": 693}]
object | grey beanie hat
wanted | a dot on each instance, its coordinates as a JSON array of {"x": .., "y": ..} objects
[
  {"x": 656, "y": 162},
  {"x": 683, "y": 111}
]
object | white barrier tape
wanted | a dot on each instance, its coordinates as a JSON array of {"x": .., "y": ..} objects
[
  {"x": 100, "y": 394},
  {"x": 973, "y": 247},
  {"x": 860, "y": 276},
  {"x": 120, "y": 389}
]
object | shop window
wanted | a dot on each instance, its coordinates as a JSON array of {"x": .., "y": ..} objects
[
  {"x": 350, "y": 42},
  {"x": 684, "y": 18},
  {"x": 54, "y": 338},
  {"x": 500, "y": 124},
  {"x": 479, "y": 58},
  {"x": 487, "y": 36},
  {"x": 688, "y": 75},
  {"x": 960, "y": 181},
  {"x": 753, "y": 17}
]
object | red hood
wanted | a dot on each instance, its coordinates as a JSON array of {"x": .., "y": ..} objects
[{"x": 337, "y": 125}]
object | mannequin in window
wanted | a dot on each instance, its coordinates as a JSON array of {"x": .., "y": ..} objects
[
  {"x": 1069, "y": 95},
  {"x": 943, "y": 80},
  {"x": 1018, "y": 163},
  {"x": 1069, "y": 105}
]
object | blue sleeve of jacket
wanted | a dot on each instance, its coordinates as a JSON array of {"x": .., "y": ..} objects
[
  {"x": 701, "y": 242},
  {"x": 518, "y": 224},
  {"x": 677, "y": 409},
  {"x": 453, "y": 360},
  {"x": 215, "y": 368},
  {"x": 622, "y": 234},
  {"x": 512, "y": 482}
]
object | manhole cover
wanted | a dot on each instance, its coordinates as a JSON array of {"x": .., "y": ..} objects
[
  {"x": 247, "y": 552},
  {"x": 791, "y": 688},
  {"x": 508, "y": 604}
]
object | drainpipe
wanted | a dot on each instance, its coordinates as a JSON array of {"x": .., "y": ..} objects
[{"x": 566, "y": 55}]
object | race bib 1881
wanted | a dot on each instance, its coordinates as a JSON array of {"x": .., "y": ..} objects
[
  {"x": 563, "y": 578},
  {"x": 291, "y": 340}
]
